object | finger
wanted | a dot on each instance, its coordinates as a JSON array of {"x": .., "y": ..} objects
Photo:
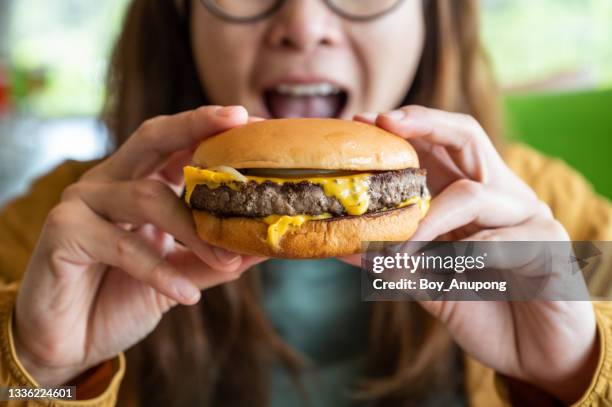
[
  {"x": 157, "y": 139},
  {"x": 528, "y": 261},
  {"x": 366, "y": 117},
  {"x": 113, "y": 246},
  {"x": 163, "y": 242},
  {"x": 465, "y": 202},
  {"x": 204, "y": 276},
  {"x": 441, "y": 168},
  {"x": 466, "y": 141},
  {"x": 516, "y": 251},
  {"x": 442, "y": 310},
  {"x": 535, "y": 229},
  {"x": 149, "y": 201}
]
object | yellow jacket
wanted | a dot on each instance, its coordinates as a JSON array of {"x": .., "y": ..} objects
[{"x": 584, "y": 215}]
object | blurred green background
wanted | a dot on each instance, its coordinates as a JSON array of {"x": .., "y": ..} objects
[
  {"x": 552, "y": 57},
  {"x": 576, "y": 126}
]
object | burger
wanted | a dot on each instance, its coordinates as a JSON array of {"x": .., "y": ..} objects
[{"x": 305, "y": 188}]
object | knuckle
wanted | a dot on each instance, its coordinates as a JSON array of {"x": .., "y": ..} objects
[
  {"x": 148, "y": 128},
  {"x": 472, "y": 127},
  {"x": 59, "y": 218},
  {"x": 63, "y": 229},
  {"x": 71, "y": 191},
  {"x": 128, "y": 246},
  {"x": 147, "y": 191},
  {"x": 557, "y": 230},
  {"x": 469, "y": 121}
]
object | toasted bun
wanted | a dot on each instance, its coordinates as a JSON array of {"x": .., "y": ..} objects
[
  {"x": 314, "y": 239},
  {"x": 307, "y": 143}
]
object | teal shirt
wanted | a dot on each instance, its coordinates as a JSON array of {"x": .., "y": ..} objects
[{"x": 316, "y": 307}]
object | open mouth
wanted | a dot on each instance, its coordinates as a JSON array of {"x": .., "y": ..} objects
[{"x": 305, "y": 100}]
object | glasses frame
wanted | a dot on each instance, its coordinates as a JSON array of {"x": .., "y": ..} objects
[{"x": 278, "y": 4}]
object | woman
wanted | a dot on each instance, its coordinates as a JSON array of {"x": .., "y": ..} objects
[{"x": 91, "y": 268}]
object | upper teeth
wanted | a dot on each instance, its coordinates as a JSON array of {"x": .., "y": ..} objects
[{"x": 311, "y": 89}]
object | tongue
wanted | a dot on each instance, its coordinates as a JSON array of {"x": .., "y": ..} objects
[{"x": 281, "y": 106}]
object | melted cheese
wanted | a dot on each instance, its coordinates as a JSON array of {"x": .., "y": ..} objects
[
  {"x": 350, "y": 190},
  {"x": 422, "y": 202},
  {"x": 279, "y": 225},
  {"x": 212, "y": 179},
  {"x": 424, "y": 206},
  {"x": 410, "y": 201}
]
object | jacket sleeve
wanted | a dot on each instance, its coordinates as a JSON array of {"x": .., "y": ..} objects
[
  {"x": 599, "y": 392},
  {"x": 585, "y": 215},
  {"x": 20, "y": 223}
]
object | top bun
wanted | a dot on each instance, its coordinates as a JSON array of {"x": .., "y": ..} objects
[{"x": 329, "y": 144}]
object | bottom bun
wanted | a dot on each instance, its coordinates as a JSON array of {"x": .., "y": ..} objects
[{"x": 314, "y": 239}]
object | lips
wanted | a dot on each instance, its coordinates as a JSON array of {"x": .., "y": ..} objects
[{"x": 321, "y": 99}]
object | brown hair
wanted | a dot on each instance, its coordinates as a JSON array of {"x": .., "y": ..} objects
[{"x": 219, "y": 352}]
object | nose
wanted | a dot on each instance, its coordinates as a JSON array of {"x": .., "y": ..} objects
[{"x": 304, "y": 25}]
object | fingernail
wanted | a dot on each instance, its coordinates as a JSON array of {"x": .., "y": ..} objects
[
  {"x": 224, "y": 256},
  {"x": 396, "y": 114},
  {"x": 187, "y": 290},
  {"x": 368, "y": 116},
  {"x": 227, "y": 111}
]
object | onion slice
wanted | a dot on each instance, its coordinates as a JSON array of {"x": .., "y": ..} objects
[
  {"x": 288, "y": 173},
  {"x": 231, "y": 171}
]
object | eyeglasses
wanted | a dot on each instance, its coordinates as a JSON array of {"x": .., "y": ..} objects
[{"x": 245, "y": 11}]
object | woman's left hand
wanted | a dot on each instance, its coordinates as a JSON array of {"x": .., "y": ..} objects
[{"x": 552, "y": 345}]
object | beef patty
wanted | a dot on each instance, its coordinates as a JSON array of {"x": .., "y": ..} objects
[{"x": 386, "y": 189}]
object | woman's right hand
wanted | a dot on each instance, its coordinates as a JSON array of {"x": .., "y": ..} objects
[{"x": 106, "y": 266}]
